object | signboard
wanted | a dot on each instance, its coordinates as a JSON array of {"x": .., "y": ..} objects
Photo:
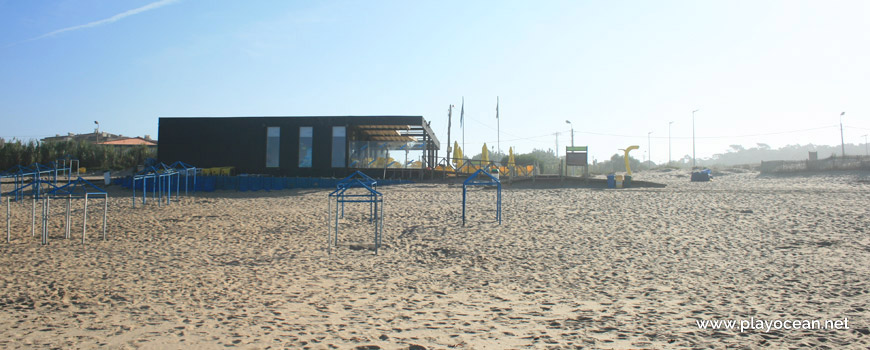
[
  {"x": 576, "y": 159},
  {"x": 576, "y": 149}
]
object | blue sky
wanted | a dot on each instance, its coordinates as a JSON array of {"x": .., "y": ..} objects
[{"x": 780, "y": 70}]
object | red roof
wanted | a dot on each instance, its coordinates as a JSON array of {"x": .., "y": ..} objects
[{"x": 130, "y": 141}]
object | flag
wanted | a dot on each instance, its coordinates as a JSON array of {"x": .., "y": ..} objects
[
  {"x": 496, "y": 107},
  {"x": 462, "y": 114}
]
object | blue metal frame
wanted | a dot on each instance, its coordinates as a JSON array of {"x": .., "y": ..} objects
[
  {"x": 473, "y": 181},
  {"x": 341, "y": 195},
  {"x": 161, "y": 178},
  {"x": 351, "y": 180},
  {"x": 18, "y": 173},
  {"x": 179, "y": 165},
  {"x": 78, "y": 189}
]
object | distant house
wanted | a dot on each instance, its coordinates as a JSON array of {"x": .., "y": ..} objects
[
  {"x": 104, "y": 138},
  {"x": 131, "y": 142},
  {"x": 94, "y": 137}
]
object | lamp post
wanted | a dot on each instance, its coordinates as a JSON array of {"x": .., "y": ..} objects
[
  {"x": 842, "y": 141},
  {"x": 572, "y": 144},
  {"x": 572, "y": 132},
  {"x": 649, "y": 148},
  {"x": 669, "y": 143},
  {"x": 693, "y": 139},
  {"x": 866, "y": 150}
]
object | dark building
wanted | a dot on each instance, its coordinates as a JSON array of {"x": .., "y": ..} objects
[{"x": 298, "y": 146}]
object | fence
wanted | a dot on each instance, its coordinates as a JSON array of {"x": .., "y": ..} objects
[
  {"x": 257, "y": 183},
  {"x": 828, "y": 164}
]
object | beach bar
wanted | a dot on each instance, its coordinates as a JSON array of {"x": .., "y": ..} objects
[{"x": 301, "y": 146}]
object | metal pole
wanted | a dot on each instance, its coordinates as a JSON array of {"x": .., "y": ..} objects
[
  {"x": 381, "y": 232},
  {"x": 449, "y": 145},
  {"x": 105, "y": 215},
  {"x": 45, "y": 221},
  {"x": 842, "y": 140},
  {"x": 156, "y": 187},
  {"x": 498, "y": 204},
  {"x": 377, "y": 222},
  {"x": 328, "y": 226},
  {"x": 462, "y": 124},
  {"x": 33, "y": 218},
  {"x": 8, "y": 220},
  {"x": 693, "y": 138},
  {"x": 159, "y": 197},
  {"x": 669, "y": 143},
  {"x": 68, "y": 205},
  {"x": 463, "y": 205},
  {"x": 649, "y": 148},
  {"x": 497, "y": 126},
  {"x": 335, "y": 241},
  {"x": 866, "y": 150},
  {"x": 85, "y": 219}
]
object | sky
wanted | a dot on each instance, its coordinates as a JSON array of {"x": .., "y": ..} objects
[{"x": 774, "y": 72}]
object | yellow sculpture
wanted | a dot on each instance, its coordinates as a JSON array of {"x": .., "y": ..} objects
[{"x": 627, "y": 166}]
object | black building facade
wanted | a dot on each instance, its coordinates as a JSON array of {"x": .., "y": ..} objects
[{"x": 298, "y": 146}]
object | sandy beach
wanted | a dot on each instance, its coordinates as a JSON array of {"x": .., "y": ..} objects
[{"x": 568, "y": 267}]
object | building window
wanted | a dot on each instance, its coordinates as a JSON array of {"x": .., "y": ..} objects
[
  {"x": 273, "y": 143},
  {"x": 339, "y": 142},
  {"x": 306, "y": 142}
]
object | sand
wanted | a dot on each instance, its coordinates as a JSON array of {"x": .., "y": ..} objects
[{"x": 633, "y": 268}]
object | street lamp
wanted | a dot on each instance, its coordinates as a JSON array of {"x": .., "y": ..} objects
[
  {"x": 572, "y": 132},
  {"x": 669, "y": 143},
  {"x": 572, "y": 144},
  {"x": 649, "y": 148},
  {"x": 866, "y": 150},
  {"x": 842, "y": 142},
  {"x": 693, "y": 139}
]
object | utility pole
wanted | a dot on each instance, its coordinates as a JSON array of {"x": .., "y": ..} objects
[
  {"x": 866, "y": 150},
  {"x": 449, "y": 145},
  {"x": 693, "y": 139},
  {"x": 649, "y": 148},
  {"x": 462, "y": 125},
  {"x": 669, "y": 143},
  {"x": 842, "y": 141},
  {"x": 572, "y": 145},
  {"x": 497, "y": 126}
]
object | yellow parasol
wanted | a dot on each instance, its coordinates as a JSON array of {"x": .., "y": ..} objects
[
  {"x": 484, "y": 155},
  {"x": 457, "y": 155},
  {"x": 512, "y": 162}
]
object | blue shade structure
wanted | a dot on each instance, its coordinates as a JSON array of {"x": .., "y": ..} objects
[
  {"x": 489, "y": 180},
  {"x": 355, "y": 191}
]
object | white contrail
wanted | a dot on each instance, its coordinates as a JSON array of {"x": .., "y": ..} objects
[{"x": 112, "y": 19}]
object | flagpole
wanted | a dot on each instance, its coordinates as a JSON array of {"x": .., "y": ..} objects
[
  {"x": 449, "y": 145},
  {"x": 497, "y": 126},
  {"x": 462, "y": 124}
]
